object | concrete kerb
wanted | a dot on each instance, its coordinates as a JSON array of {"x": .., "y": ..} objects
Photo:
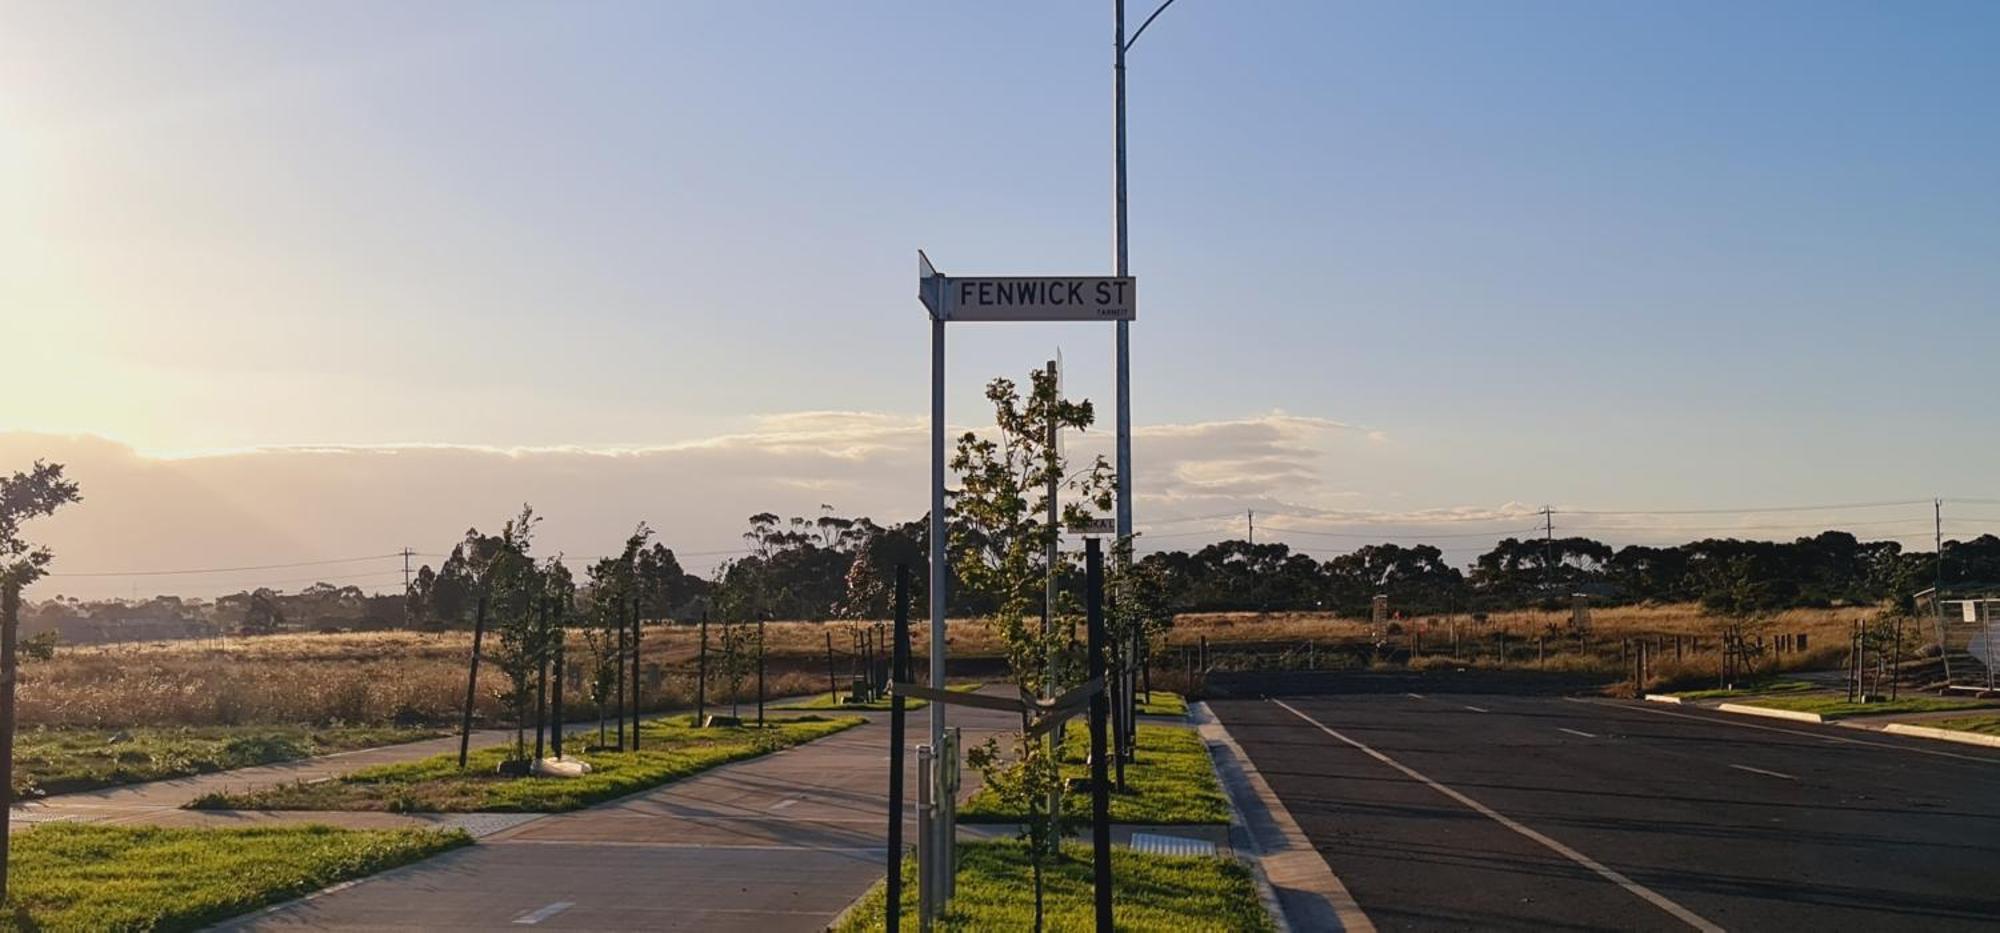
[
  {"x": 1264, "y": 833},
  {"x": 1944, "y": 735},
  {"x": 1770, "y": 712}
]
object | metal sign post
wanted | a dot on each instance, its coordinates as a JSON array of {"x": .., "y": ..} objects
[{"x": 988, "y": 298}]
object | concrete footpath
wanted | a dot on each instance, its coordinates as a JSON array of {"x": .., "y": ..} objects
[
  {"x": 159, "y": 802},
  {"x": 781, "y": 842}
]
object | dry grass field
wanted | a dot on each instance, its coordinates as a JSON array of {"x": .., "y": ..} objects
[
  {"x": 1684, "y": 640},
  {"x": 419, "y": 678}
]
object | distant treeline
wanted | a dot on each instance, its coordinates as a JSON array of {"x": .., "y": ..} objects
[
  {"x": 830, "y": 567},
  {"x": 321, "y": 606}
]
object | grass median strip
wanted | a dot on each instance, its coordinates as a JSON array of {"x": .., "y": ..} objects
[
  {"x": 1750, "y": 690},
  {"x": 1834, "y": 706},
  {"x": 1169, "y": 782},
  {"x": 1982, "y": 725},
  {"x": 62, "y": 761},
  {"x": 84, "y": 877},
  {"x": 1167, "y": 893},
  {"x": 670, "y": 749},
  {"x": 1162, "y": 703}
]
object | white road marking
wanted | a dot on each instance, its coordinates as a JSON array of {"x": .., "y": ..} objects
[
  {"x": 692, "y": 845},
  {"x": 1414, "y": 696},
  {"x": 780, "y": 805},
  {"x": 1477, "y": 709},
  {"x": 1822, "y": 736},
  {"x": 1775, "y": 774},
  {"x": 536, "y": 916},
  {"x": 1587, "y": 735},
  {"x": 1647, "y": 894}
]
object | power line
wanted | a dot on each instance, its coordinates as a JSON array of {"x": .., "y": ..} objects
[
  {"x": 1189, "y": 518},
  {"x": 167, "y": 573},
  {"x": 1402, "y": 534},
  {"x": 1674, "y": 529},
  {"x": 1774, "y": 508}
]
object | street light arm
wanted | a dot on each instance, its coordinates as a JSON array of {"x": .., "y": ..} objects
[{"x": 1149, "y": 21}]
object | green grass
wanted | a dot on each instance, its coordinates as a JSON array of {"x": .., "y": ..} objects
[
  {"x": 1984, "y": 725},
  {"x": 84, "y": 877},
  {"x": 1163, "y": 704},
  {"x": 827, "y": 701},
  {"x": 1164, "y": 893},
  {"x": 670, "y": 749},
  {"x": 1169, "y": 781},
  {"x": 61, "y": 761},
  {"x": 1778, "y": 686},
  {"x": 1835, "y": 706}
]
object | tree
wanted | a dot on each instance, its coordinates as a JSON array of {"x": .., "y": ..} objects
[
  {"x": 606, "y": 635},
  {"x": 474, "y": 562},
  {"x": 521, "y": 620},
  {"x": 1000, "y": 544},
  {"x": 23, "y": 496},
  {"x": 263, "y": 616}
]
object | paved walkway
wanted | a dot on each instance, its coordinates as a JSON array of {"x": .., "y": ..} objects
[
  {"x": 159, "y": 802},
  {"x": 781, "y": 842}
]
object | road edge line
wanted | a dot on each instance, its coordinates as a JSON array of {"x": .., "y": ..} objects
[
  {"x": 1644, "y": 893},
  {"x": 1942, "y": 735},
  {"x": 1284, "y": 849}
]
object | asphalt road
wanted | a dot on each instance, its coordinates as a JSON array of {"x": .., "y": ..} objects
[{"x": 1466, "y": 802}]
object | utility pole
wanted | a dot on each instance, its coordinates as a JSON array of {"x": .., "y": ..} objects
[
  {"x": 1548, "y": 549},
  {"x": 406, "y": 586},
  {"x": 1252, "y": 514},
  {"x": 1937, "y": 582}
]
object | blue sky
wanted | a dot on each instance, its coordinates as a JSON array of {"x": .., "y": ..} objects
[{"x": 1647, "y": 255}]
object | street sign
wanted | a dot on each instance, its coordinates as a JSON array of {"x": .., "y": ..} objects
[
  {"x": 1026, "y": 297},
  {"x": 1094, "y": 526},
  {"x": 1039, "y": 298}
]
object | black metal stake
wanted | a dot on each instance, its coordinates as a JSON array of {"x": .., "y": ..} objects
[
  {"x": 471, "y": 681},
  {"x": 901, "y": 674},
  {"x": 1100, "y": 797},
  {"x": 701, "y": 676},
  {"x": 620, "y": 623},
  {"x": 635, "y": 671},
  {"x": 832, "y": 685},
  {"x": 561, "y": 673},
  {"x": 541, "y": 692}
]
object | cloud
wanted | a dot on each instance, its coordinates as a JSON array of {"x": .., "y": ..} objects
[{"x": 270, "y": 505}]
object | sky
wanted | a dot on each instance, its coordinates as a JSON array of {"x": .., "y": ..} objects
[{"x": 286, "y": 283}]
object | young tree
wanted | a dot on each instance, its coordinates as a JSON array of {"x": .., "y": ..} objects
[
  {"x": 736, "y": 663},
  {"x": 520, "y": 619},
  {"x": 474, "y": 563},
  {"x": 1001, "y": 538},
  {"x": 559, "y": 594},
  {"x": 605, "y": 634},
  {"x": 23, "y": 496}
]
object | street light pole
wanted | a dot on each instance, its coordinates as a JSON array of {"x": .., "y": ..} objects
[{"x": 1118, "y": 245}]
